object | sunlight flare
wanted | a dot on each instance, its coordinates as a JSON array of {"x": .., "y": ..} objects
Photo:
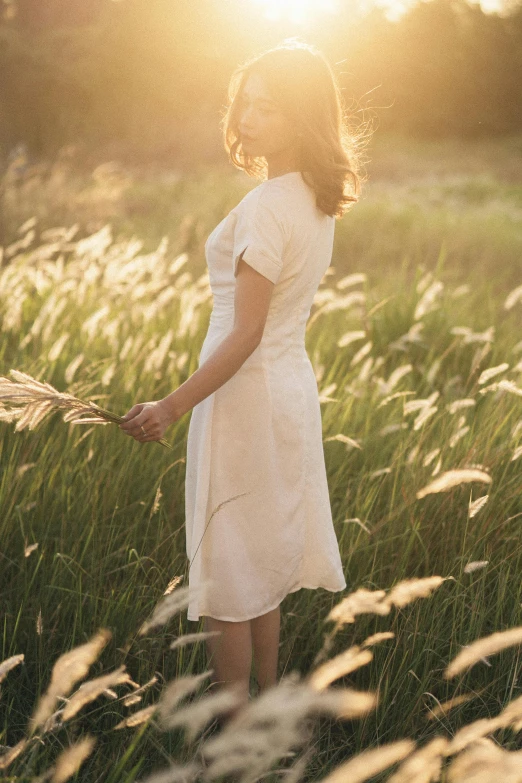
[{"x": 296, "y": 11}]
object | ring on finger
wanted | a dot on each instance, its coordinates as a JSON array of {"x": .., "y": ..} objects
[{"x": 144, "y": 432}]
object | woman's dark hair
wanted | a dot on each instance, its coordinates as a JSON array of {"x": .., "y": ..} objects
[{"x": 304, "y": 86}]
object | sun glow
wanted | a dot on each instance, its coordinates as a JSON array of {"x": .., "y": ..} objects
[{"x": 296, "y": 11}]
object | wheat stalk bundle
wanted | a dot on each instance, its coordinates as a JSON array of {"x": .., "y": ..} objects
[{"x": 32, "y": 400}]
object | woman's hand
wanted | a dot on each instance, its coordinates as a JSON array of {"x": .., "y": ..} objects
[{"x": 147, "y": 420}]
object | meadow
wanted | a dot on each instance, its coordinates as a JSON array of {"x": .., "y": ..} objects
[{"x": 416, "y": 341}]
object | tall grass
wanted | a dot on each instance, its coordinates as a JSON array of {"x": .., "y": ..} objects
[{"x": 405, "y": 324}]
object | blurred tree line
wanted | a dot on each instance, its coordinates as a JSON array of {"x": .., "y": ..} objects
[{"x": 149, "y": 77}]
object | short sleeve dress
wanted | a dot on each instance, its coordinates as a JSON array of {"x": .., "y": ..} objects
[{"x": 258, "y": 519}]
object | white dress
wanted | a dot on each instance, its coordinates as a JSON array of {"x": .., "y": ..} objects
[{"x": 254, "y": 447}]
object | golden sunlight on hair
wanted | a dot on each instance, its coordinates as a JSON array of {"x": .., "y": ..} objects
[{"x": 303, "y": 86}]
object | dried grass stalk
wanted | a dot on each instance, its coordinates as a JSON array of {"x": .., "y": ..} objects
[
  {"x": 177, "y": 690},
  {"x": 510, "y": 717},
  {"x": 274, "y": 724},
  {"x": 174, "y": 582},
  {"x": 138, "y": 718},
  {"x": 469, "y": 734},
  {"x": 170, "y": 605},
  {"x": 370, "y": 762},
  {"x": 423, "y": 766},
  {"x": 176, "y": 773},
  {"x": 362, "y": 601},
  {"x": 13, "y": 753},
  {"x": 442, "y": 709},
  {"x": 138, "y": 693},
  {"x": 481, "y": 648},
  {"x": 512, "y": 714},
  {"x": 452, "y": 478},
  {"x": 71, "y": 759},
  {"x": 196, "y": 715},
  {"x": 410, "y": 589},
  {"x": 476, "y": 505},
  {"x": 189, "y": 638},
  {"x": 90, "y": 690},
  {"x": 376, "y": 638},
  {"x": 346, "y": 703},
  {"x": 10, "y": 663},
  {"x": 132, "y": 699},
  {"x": 344, "y": 663},
  {"x": 485, "y": 762},
  {"x": 476, "y": 565},
  {"x": 33, "y": 400},
  {"x": 68, "y": 669}
]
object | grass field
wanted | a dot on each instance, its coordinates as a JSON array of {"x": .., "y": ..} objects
[{"x": 103, "y": 293}]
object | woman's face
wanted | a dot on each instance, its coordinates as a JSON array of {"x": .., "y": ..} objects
[{"x": 263, "y": 129}]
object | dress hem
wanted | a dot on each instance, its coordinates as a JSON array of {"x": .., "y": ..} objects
[{"x": 273, "y": 606}]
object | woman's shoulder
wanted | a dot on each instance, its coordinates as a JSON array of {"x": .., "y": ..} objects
[
  {"x": 287, "y": 195},
  {"x": 289, "y": 187},
  {"x": 264, "y": 190}
]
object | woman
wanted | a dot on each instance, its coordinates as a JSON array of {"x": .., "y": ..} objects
[{"x": 258, "y": 515}]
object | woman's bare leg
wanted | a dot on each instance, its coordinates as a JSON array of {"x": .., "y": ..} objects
[
  {"x": 265, "y": 643},
  {"x": 230, "y": 655}
]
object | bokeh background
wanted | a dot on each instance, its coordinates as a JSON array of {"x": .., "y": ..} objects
[
  {"x": 111, "y": 110},
  {"x": 147, "y": 78}
]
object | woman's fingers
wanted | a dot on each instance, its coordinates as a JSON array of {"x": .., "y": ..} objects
[
  {"x": 142, "y": 437},
  {"x": 134, "y": 411},
  {"x": 142, "y": 422},
  {"x": 134, "y": 426}
]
